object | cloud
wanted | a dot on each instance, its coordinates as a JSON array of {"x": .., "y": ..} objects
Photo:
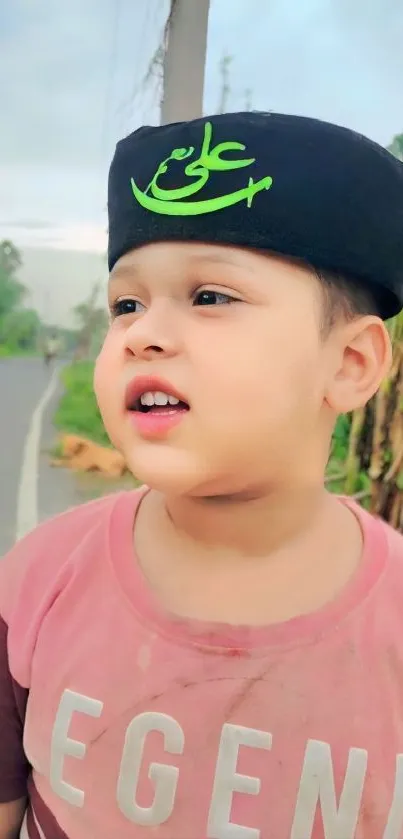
[
  {"x": 71, "y": 71},
  {"x": 53, "y": 93},
  {"x": 28, "y": 224},
  {"x": 49, "y": 198},
  {"x": 334, "y": 59},
  {"x": 90, "y": 238},
  {"x": 73, "y": 85},
  {"x": 64, "y": 64},
  {"x": 59, "y": 279},
  {"x": 71, "y": 68}
]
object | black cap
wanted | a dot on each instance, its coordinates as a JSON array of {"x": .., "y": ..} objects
[{"x": 296, "y": 186}]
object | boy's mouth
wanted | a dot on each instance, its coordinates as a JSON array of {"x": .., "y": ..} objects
[
  {"x": 155, "y": 406},
  {"x": 158, "y": 402},
  {"x": 147, "y": 394}
]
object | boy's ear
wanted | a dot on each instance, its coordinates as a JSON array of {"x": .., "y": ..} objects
[{"x": 363, "y": 358}]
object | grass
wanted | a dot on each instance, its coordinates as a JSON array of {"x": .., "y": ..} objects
[
  {"x": 6, "y": 351},
  {"x": 78, "y": 411}
]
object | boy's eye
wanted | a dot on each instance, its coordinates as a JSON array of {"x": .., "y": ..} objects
[
  {"x": 126, "y": 306},
  {"x": 212, "y": 298}
]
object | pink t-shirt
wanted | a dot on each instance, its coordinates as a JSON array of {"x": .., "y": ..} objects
[{"x": 137, "y": 724}]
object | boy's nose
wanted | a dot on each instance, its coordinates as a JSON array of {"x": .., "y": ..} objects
[
  {"x": 152, "y": 334},
  {"x": 146, "y": 352}
]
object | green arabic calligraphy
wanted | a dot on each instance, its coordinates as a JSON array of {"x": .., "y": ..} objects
[{"x": 170, "y": 201}]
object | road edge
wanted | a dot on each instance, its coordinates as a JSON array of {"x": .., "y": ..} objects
[{"x": 27, "y": 496}]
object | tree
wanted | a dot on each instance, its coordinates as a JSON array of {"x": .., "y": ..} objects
[
  {"x": 396, "y": 146},
  {"x": 10, "y": 258},
  {"x": 92, "y": 324},
  {"x": 12, "y": 291},
  {"x": 20, "y": 329}
]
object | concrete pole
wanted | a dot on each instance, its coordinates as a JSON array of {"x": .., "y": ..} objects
[{"x": 185, "y": 60}]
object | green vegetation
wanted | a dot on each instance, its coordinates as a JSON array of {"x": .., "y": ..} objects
[
  {"x": 78, "y": 412},
  {"x": 396, "y": 146},
  {"x": 19, "y": 326},
  {"x": 92, "y": 323},
  {"x": 21, "y": 330}
]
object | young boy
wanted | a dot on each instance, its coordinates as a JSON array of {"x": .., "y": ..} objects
[{"x": 219, "y": 655}]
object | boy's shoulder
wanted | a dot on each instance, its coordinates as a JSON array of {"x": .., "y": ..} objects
[
  {"x": 376, "y": 529},
  {"x": 382, "y": 570},
  {"x": 42, "y": 561},
  {"x": 49, "y": 573}
]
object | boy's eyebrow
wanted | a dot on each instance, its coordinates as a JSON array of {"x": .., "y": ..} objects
[
  {"x": 128, "y": 271},
  {"x": 122, "y": 271},
  {"x": 215, "y": 258}
]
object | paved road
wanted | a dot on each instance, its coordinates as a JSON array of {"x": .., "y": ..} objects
[
  {"x": 23, "y": 384},
  {"x": 31, "y": 490}
]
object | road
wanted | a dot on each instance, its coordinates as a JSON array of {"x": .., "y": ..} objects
[
  {"x": 28, "y": 396},
  {"x": 22, "y": 383},
  {"x": 31, "y": 490}
]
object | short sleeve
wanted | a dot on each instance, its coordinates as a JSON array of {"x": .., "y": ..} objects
[
  {"x": 14, "y": 767},
  {"x": 32, "y": 576},
  {"x": 26, "y": 588}
]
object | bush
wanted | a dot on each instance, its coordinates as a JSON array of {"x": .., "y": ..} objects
[
  {"x": 11, "y": 350},
  {"x": 78, "y": 411},
  {"x": 340, "y": 438},
  {"x": 5, "y": 351}
]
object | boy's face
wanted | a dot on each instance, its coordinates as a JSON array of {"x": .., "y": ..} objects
[{"x": 236, "y": 334}]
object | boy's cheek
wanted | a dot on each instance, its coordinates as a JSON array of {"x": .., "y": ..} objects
[
  {"x": 105, "y": 379},
  {"x": 108, "y": 400},
  {"x": 108, "y": 356}
]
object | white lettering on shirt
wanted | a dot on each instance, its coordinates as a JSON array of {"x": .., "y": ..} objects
[
  {"x": 316, "y": 792},
  {"x": 62, "y": 745},
  {"x": 317, "y": 786},
  {"x": 163, "y": 776},
  {"x": 394, "y": 827},
  {"x": 227, "y": 781}
]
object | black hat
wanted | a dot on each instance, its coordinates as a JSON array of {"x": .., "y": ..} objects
[{"x": 292, "y": 185}]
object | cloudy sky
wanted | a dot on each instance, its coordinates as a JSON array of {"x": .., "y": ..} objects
[{"x": 71, "y": 79}]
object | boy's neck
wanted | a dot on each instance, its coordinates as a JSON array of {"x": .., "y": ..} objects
[
  {"x": 250, "y": 525},
  {"x": 245, "y": 561}
]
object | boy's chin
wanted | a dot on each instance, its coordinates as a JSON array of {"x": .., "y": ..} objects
[
  {"x": 180, "y": 471},
  {"x": 169, "y": 475}
]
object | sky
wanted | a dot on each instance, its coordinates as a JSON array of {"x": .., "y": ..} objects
[{"x": 72, "y": 80}]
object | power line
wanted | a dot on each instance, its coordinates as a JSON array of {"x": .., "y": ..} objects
[
  {"x": 148, "y": 78},
  {"x": 116, "y": 9}
]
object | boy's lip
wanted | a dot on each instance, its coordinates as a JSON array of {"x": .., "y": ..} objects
[{"x": 144, "y": 384}]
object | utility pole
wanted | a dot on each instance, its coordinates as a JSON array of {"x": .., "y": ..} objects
[
  {"x": 184, "y": 60},
  {"x": 225, "y": 85},
  {"x": 248, "y": 99}
]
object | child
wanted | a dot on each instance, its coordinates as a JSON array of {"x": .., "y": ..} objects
[{"x": 219, "y": 655}]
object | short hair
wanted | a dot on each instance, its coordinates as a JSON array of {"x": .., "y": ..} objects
[{"x": 344, "y": 297}]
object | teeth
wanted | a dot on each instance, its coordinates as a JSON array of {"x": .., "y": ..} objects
[{"x": 157, "y": 398}]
